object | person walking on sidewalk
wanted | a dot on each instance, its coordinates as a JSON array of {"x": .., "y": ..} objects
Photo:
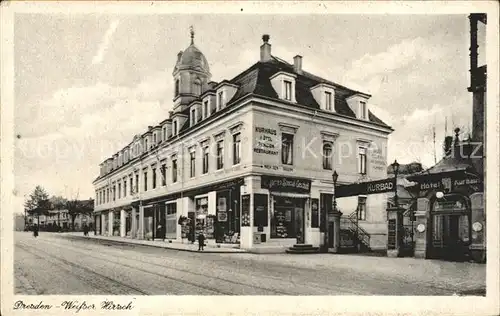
[
  {"x": 201, "y": 241},
  {"x": 85, "y": 230}
]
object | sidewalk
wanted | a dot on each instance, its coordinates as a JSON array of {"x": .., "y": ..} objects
[{"x": 211, "y": 246}]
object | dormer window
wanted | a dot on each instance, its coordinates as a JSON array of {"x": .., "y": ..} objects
[
  {"x": 284, "y": 85},
  {"x": 174, "y": 129},
  {"x": 206, "y": 111},
  {"x": 154, "y": 138},
  {"x": 164, "y": 133},
  {"x": 362, "y": 110},
  {"x": 220, "y": 100},
  {"x": 288, "y": 90},
  {"x": 328, "y": 100},
  {"x": 193, "y": 116},
  {"x": 359, "y": 105},
  {"x": 197, "y": 87},
  {"x": 177, "y": 87},
  {"x": 146, "y": 144}
]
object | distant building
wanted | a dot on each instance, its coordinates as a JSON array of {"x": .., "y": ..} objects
[
  {"x": 19, "y": 222},
  {"x": 246, "y": 160},
  {"x": 60, "y": 218}
]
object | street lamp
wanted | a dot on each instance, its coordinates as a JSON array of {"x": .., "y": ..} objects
[
  {"x": 395, "y": 167},
  {"x": 335, "y": 176}
]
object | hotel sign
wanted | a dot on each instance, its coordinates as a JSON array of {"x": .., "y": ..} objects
[{"x": 285, "y": 184}]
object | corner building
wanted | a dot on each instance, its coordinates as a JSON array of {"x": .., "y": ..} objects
[{"x": 247, "y": 160}]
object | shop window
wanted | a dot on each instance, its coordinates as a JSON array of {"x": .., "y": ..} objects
[
  {"x": 361, "y": 208},
  {"x": 171, "y": 221},
  {"x": 287, "y": 149},
  {"x": 236, "y": 148},
  {"x": 327, "y": 156},
  {"x": 204, "y": 222},
  {"x": 287, "y": 219}
]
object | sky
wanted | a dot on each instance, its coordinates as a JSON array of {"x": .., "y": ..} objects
[{"x": 85, "y": 84}]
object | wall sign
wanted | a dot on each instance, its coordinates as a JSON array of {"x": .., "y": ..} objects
[
  {"x": 285, "y": 184},
  {"x": 377, "y": 159},
  {"x": 266, "y": 141},
  {"x": 245, "y": 210},
  {"x": 260, "y": 213}
]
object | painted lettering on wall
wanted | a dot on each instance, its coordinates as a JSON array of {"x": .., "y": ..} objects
[
  {"x": 266, "y": 141},
  {"x": 377, "y": 159}
]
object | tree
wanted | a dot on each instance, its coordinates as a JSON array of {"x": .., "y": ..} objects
[
  {"x": 38, "y": 203},
  {"x": 77, "y": 207}
]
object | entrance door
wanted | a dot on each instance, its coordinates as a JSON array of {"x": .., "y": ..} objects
[
  {"x": 299, "y": 224},
  {"x": 449, "y": 236}
]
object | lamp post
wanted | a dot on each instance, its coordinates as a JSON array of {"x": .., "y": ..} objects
[
  {"x": 335, "y": 176},
  {"x": 395, "y": 167}
]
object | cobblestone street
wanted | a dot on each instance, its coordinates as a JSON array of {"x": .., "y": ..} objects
[{"x": 54, "y": 264}]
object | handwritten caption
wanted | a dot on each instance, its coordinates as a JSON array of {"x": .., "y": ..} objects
[{"x": 76, "y": 306}]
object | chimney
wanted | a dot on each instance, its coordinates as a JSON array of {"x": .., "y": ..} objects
[
  {"x": 297, "y": 64},
  {"x": 265, "y": 49},
  {"x": 150, "y": 127},
  {"x": 448, "y": 141},
  {"x": 170, "y": 113}
]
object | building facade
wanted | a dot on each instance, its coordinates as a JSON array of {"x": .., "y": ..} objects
[{"x": 247, "y": 160}]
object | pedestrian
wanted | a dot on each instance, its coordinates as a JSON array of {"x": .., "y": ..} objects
[
  {"x": 85, "y": 230},
  {"x": 160, "y": 232},
  {"x": 201, "y": 241},
  {"x": 35, "y": 230}
]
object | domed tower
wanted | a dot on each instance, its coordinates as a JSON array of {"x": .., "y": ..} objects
[{"x": 191, "y": 75}]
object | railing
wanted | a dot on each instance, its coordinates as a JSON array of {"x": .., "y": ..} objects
[{"x": 350, "y": 223}]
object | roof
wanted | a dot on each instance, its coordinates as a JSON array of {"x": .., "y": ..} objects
[
  {"x": 446, "y": 165},
  {"x": 256, "y": 80}
]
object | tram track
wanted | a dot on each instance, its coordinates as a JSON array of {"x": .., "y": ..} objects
[
  {"x": 274, "y": 291},
  {"x": 53, "y": 260}
]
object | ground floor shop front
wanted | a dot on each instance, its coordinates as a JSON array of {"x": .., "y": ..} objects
[{"x": 253, "y": 211}]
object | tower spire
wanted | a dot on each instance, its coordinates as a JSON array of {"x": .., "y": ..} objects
[{"x": 191, "y": 30}]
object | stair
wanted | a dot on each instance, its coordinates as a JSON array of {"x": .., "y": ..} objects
[{"x": 302, "y": 249}]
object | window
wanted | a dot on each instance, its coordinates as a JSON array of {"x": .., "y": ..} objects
[
  {"x": 146, "y": 144},
  {"x": 107, "y": 195},
  {"x": 361, "y": 210},
  {"x": 154, "y": 138},
  {"x": 174, "y": 170},
  {"x": 193, "y": 116},
  {"x": 205, "y": 159},
  {"x": 236, "y": 148},
  {"x": 114, "y": 192},
  {"x": 327, "y": 156},
  {"x": 145, "y": 180},
  {"x": 136, "y": 183},
  {"x": 220, "y": 100},
  {"x": 119, "y": 190},
  {"x": 288, "y": 90},
  {"x": 163, "y": 175},
  {"x": 205, "y": 109},
  {"x": 177, "y": 87},
  {"x": 192, "y": 164},
  {"x": 153, "y": 175},
  {"x": 362, "y": 160},
  {"x": 362, "y": 110},
  {"x": 124, "y": 187},
  {"x": 131, "y": 185},
  {"x": 220, "y": 155},
  {"x": 328, "y": 101},
  {"x": 197, "y": 87},
  {"x": 287, "y": 149},
  {"x": 174, "y": 132},
  {"x": 164, "y": 133}
]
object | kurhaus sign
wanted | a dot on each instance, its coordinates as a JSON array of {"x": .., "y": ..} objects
[
  {"x": 266, "y": 141},
  {"x": 286, "y": 184}
]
